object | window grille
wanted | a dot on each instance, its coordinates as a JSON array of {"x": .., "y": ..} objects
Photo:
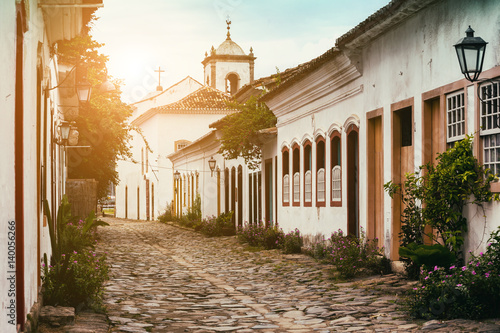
[
  {"x": 455, "y": 114},
  {"x": 286, "y": 188},
  {"x": 321, "y": 185},
  {"x": 490, "y": 131},
  {"x": 308, "y": 186},
  {"x": 296, "y": 187},
  {"x": 336, "y": 183}
]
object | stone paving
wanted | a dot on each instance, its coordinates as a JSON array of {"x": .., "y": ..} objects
[{"x": 169, "y": 279}]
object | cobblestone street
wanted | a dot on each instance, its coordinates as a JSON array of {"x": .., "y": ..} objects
[{"x": 167, "y": 279}]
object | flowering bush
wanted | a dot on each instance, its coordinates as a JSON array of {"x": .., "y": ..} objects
[
  {"x": 75, "y": 274},
  {"x": 260, "y": 235},
  {"x": 77, "y": 279},
  {"x": 351, "y": 255},
  {"x": 218, "y": 226},
  {"x": 471, "y": 291},
  {"x": 292, "y": 242}
]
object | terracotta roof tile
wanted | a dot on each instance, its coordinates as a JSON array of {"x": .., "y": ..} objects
[{"x": 205, "y": 98}]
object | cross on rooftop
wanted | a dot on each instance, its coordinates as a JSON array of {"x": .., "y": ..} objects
[{"x": 159, "y": 71}]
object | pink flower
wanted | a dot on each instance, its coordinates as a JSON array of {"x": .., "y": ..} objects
[
  {"x": 452, "y": 267},
  {"x": 473, "y": 272},
  {"x": 487, "y": 274},
  {"x": 464, "y": 268},
  {"x": 459, "y": 285}
]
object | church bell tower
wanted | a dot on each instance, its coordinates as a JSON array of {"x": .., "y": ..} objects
[{"x": 228, "y": 68}]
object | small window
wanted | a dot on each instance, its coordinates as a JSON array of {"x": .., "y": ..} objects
[
  {"x": 455, "y": 117},
  {"x": 308, "y": 186},
  {"x": 490, "y": 130},
  {"x": 490, "y": 108},
  {"x": 296, "y": 175},
  {"x": 286, "y": 189},
  {"x": 336, "y": 183},
  {"x": 307, "y": 174},
  {"x": 296, "y": 188},
  {"x": 336, "y": 170},
  {"x": 286, "y": 176},
  {"x": 320, "y": 172},
  {"x": 321, "y": 185}
]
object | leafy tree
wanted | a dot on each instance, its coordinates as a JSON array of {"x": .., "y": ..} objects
[
  {"x": 102, "y": 123},
  {"x": 239, "y": 131}
]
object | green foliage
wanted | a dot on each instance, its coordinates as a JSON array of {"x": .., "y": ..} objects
[
  {"x": 427, "y": 255},
  {"x": 167, "y": 215},
  {"x": 292, "y": 242},
  {"x": 471, "y": 291},
  {"x": 437, "y": 197},
  {"x": 75, "y": 274},
  {"x": 221, "y": 225},
  {"x": 192, "y": 219},
  {"x": 77, "y": 279},
  {"x": 351, "y": 256},
  {"x": 260, "y": 235},
  {"x": 102, "y": 124},
  {"x": 239, "y": 130}
]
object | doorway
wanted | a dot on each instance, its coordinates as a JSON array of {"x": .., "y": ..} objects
[
  {"x": 375, "y": 180},
  {"x": 402, "y": 163}
]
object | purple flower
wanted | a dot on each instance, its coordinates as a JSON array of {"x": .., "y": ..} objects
[
  {"x": 473, "y": 272},
  {"x": 487, "y": 274},
  {"x": 464, "y": 268}
]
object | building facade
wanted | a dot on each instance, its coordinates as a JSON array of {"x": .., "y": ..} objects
[
  {"x": 386, "y": 99},
  {"x": 33, "y": 156}
]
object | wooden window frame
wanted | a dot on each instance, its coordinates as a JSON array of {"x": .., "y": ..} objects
[
  {"x": 318, "y": 168},
  {"x": 335, "y": 203},
  {"x": 295, "y": 147},
  {"x": 307, "y": 168},
  {"x": 283, "y": 202}
]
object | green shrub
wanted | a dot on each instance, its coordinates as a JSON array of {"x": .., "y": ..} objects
[
  {"x": 428, "y": 255},
  {"x": 260, "y": 235},
  {"x": 221, "y": 225},
  {"x": 77, "y": 279},
  {"x": 75, "y": 274},
  {"x": 167, "y": 214},
  {"x": 292, "y": 242},
  {"x": 351, "y": 256}
]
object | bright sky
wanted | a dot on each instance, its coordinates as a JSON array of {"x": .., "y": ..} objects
[{"x": 140, "y": 36}]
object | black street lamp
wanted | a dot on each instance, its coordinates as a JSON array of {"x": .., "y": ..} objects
[{"x": 470, "y": 53}]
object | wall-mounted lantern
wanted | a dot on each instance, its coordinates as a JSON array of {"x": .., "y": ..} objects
[
  {"x": 470, "y": 53},
  {"x": 211, "y": 164}
]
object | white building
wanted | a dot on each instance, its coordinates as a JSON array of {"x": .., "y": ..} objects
[
  {"x": 167, "y": 121},
  {"x": 378, "y": 105},
  {"x": 32, "y": 167}
]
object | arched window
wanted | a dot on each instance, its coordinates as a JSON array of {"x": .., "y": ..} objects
[
  {"x": 296, "y": 175},
  {"x": 320, "y": 172},
  {"x": 286, "y": 176},
  {"x": 307, "y": 174},
  {"x": 336, "y": 171}
]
